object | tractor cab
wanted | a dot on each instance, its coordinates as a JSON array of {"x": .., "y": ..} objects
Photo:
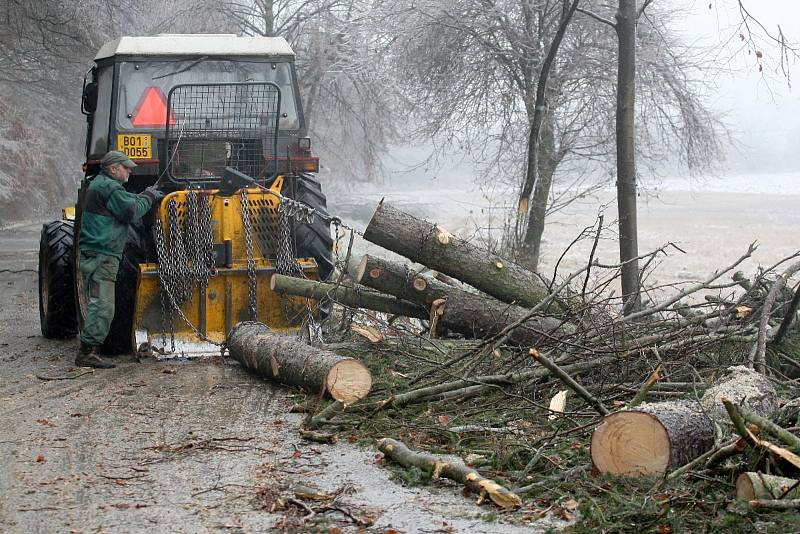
[
  {"x": 184, "y": 107},
  {"x": 216, "y": 122}
]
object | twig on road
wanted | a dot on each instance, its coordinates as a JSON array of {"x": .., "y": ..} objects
[{"x": 67, "y": 377}]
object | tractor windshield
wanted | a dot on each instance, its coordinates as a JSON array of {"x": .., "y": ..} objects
[{"x": 144, "y": 86}]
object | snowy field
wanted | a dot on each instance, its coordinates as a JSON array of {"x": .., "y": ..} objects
[{"x": 713, "y": 220}]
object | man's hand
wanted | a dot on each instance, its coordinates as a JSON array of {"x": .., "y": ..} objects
[{"x": 154, "y": 193}]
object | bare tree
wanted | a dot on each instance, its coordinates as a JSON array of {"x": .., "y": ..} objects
[
  {"x": 475, "y": 71},
  {"x": 349, "y": 102},
  {"x": 45, "y": 49}
]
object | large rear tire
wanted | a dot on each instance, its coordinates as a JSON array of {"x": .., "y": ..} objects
[
  {"x": 57, "y": 311},
  {"x": 312, "y": 240}
]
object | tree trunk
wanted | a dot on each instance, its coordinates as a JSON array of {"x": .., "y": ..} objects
[
  {"x": 454, "y": 470},
  {"x": 399, "y": 280},
  {"x": 626, "y": 158},
  {"x": 750, "y": 486},
  {"x": 541, "y": 196},
  {"x": 533, "y": 235},
  {"x": 425, "y": 243},
  {"x": 293, "y": 363},
  {"x": 268, "y": 10},
  {"x": 353, "y": 297},
  {"x": 470, "y": 314},
  {"x": 655, "y": 438}
]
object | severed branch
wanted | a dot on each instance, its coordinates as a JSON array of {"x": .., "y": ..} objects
[
  {"x": 440, "y": 467},
  {"x": 324, "y": 416},
  {"x": 416, "y": 395},
  {"x": 642, "y": 393},
  {"x": 688, "y": 291},
  {"x": 792, "y": 441},
  {"x": 569, "y": 381},
  {"x": 759, "y": 358},
  {"x": 776, "y": 504}
]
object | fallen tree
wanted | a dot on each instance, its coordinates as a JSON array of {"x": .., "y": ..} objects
[
  {"x": 291, "y": 362},
  {"x": 435, "y": 247},
  {"x": 658, "y": 437},
  {"x": 358, "y": 297},
  {"x": 471, "y": 314}
]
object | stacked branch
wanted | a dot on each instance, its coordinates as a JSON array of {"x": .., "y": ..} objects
[{"x": 674, "y": 348}]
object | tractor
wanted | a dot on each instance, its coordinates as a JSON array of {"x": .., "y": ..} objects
[{"x": 216, "y": 122}]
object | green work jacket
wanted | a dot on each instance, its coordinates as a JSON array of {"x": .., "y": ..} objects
[{"x": 108, "y": 209}]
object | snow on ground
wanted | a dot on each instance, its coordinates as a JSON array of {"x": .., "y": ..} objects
[
  {"x": 712, "y": 219},
  {"x": 774, "y": 183}
]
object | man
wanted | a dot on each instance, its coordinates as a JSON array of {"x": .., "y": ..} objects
[{"x": 107, "y": 210}]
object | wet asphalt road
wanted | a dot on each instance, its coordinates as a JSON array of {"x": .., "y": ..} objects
[{"x": 197, "y": 446}]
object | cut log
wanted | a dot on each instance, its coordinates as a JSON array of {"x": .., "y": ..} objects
[
  {"x": 454, "y": 469},
  {"x": 652, "y": 439},
  {"x": 477, "y": 316},
  {"x": 291, "y": 362},
  {"x": 399, "y": 280},
  {"x": 751, "y": 486},
  {"x": 658, "y": 437},
  {"x": 358, "y": 297},
  {"x": 430, "y": 245},
  {"x": 744, "y": 387}
]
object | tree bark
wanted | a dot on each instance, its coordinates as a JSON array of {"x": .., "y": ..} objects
[
  {"x": 658, "y": 437},
  {"x": 454, "y": 470},
  {"x": 430, "y": 245},
  {"x": 399, "y": 280},
  {"x": 541, "y": 196},
  {"x": 626, "y": 158},
  {"x": 293, "y": 363},
  {"x": 353, "y": 297},
  {"x": 473, "y": 315}
]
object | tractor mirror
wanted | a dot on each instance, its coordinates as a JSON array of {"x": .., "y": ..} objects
[{"x": 89, "y": 102}]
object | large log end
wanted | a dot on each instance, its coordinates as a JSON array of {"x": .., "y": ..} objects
[
  {"x": 631, "y": 443},
  {"x": 348, "y": 381}
]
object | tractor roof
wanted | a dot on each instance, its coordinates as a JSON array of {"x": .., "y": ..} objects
[{"x": 200, "y": 44}]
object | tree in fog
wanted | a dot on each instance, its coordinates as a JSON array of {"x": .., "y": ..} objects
[
  {"x": 472, "y": 68},
  {"x": 45, "y": 49},
  {"x": 349, "y": 97}
]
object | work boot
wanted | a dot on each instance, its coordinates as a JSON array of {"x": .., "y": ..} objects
[{"x": 88, "y": 357}]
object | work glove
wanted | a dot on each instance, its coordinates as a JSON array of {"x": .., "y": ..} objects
[{"x": 154, "y": 193}]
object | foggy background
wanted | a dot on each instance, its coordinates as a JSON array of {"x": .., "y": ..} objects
[{"x": 42, "y": 131}]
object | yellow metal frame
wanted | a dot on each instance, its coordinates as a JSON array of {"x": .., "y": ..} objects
[{"x": 225, "y": 301}]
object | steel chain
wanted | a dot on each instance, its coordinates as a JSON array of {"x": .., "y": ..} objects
[
  {"x": 252, "y": 281},
  {"x": 178, "y": 274}
]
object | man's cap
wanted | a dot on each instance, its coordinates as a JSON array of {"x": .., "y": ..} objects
[{"x": 115, "y": 156}]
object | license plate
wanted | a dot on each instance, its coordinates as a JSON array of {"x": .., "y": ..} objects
[{"x": 136, "y": 146}]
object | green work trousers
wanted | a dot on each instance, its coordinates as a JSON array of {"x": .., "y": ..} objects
[{"x": 99, "y": 272}]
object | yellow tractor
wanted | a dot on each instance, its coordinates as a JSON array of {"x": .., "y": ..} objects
[{"x": 216, "y": 121}]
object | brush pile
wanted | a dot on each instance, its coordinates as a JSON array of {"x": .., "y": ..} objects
[{"x": 542, "y": 384}]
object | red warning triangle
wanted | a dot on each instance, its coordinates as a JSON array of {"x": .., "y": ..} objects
[{"x": 151, "y": 111}]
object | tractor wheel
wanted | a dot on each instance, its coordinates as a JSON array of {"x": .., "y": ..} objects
[
  {"x": 57, "y": 315},
  {"x": 312, "y": 240},
  {"x": 120, "y": 333}
]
